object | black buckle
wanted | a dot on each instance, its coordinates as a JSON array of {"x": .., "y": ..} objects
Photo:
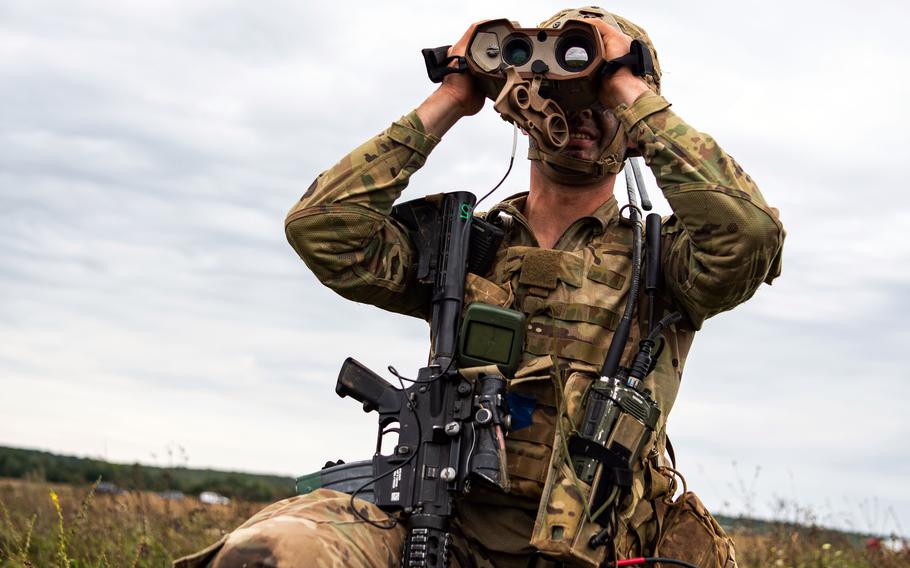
[
  {"x": 638, "y": 60},
  {"x": 437, "y": 60},
  {"x": 618, "y": 471}
]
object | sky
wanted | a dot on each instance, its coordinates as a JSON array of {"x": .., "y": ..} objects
[{"x": 150, "y": 306}]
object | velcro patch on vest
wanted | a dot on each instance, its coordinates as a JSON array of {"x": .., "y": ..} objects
[
  {"x": 544, "y": 268},
  {"x": 567, "y": 348},
  {"x": 538, "y": 292},
  {"x": 606, "y": 276},
  {"x": 573, "y": 312}
]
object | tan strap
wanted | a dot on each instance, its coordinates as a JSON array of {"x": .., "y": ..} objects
[
  {"x": 404, "y": 133},
  {"x": 670, "y": 451}
]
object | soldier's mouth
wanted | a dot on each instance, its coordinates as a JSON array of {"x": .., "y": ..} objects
[{"x": 581, "y": 139}]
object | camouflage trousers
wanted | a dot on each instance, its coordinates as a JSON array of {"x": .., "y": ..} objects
[
  {"x": 320, "y": 530},
  {"x": 491, "y": 530}
]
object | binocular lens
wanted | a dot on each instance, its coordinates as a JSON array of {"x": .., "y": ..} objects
[
  {"x": 574, "y": 53},
  {"x": 517, "y": 51},
  {"x": 576, "y": 58}
]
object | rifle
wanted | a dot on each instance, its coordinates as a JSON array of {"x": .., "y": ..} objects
[{"x": 449, "y": 424}]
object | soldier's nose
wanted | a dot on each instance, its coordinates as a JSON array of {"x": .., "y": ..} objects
[{"x": 578, "y": 116}]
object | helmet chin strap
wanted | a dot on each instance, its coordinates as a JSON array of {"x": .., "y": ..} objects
[{"x": 577, "y": 171}]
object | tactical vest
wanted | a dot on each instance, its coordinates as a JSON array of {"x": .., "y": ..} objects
[{"x": 573, "y": 301}]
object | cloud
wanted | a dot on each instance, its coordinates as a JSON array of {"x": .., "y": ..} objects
[{"x": 147, "y": 295}]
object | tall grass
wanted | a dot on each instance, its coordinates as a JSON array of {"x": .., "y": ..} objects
[
  {"x": 798, "y": 547},
  {"x": 47, "y": 525}
]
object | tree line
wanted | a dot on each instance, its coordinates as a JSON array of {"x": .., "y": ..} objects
[{"x": 22, "y": 463}]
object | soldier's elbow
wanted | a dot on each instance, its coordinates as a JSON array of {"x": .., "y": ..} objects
[{"x": 757, "y": 247}]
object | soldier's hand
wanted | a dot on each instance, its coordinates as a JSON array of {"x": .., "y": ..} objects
[
  {"x": 461, "y": 87},
  {"x": 457, "y": 96},
  {"x": 622, "y": 86}
]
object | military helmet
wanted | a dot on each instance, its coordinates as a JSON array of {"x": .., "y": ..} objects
[{"x": 575, "y": 170}]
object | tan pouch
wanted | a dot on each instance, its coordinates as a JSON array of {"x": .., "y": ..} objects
[
  {"x": 478, "y": 289},
  {"x": 529, "y": 449},
  {"x": 562, "y": 529},
  {"x": 690, "y": 533}
]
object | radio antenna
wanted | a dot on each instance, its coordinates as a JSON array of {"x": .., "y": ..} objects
[
  {"x": 621, "y": 335},
  {"x": 640, "y": 182}
]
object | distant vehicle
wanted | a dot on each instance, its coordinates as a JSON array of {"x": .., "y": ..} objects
[
  {"x": 107, "y": 488},
  {"x": 171, "y": 495},
  {"x": 212, "y": 498}
]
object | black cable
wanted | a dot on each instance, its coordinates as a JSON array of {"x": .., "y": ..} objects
[
  {"x": 621, "y": 334},
  {"x": 667, "y": 320},
  {"x": 393, "y": 522},
  {"x": 635, "y": 218},
  {"x": 661, "y": 560},
  {"x": 400, "y": 378},
  {"x": 508, "y": 171},
  {"x": 495, "y": 187},
  {"x": 467, "y": 461}
]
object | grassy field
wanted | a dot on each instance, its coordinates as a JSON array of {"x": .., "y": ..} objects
[
  {"x": 790, "y": 547},
  {"x": 48, "y": 525}
]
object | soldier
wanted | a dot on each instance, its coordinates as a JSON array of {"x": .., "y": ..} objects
[{"x": 565, "y": 262}]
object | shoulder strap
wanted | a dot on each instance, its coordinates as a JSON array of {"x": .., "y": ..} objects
[{"x": 670, "y": 451}]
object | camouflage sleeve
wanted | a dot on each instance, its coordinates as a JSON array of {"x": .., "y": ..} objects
[
  {"x": 341, "y": 226},
  {"x": 723, "y": 240}
]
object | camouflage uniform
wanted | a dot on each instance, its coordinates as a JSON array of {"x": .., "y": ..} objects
[{"x": 720, "y": 244}]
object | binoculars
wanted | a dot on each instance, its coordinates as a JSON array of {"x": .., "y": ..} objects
[
  {"x": 567, "y": 60},
  {"x": 536, "y": 75}
]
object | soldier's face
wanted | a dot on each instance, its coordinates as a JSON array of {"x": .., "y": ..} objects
[{"x": 590, "y": 132}]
